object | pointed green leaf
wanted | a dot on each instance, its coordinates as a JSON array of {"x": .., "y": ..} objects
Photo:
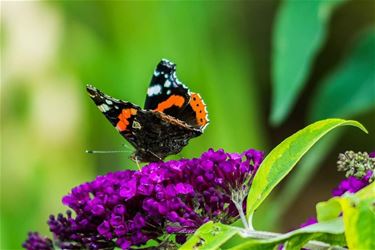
[
  {"x": 328, "y": 210},
  {"x": 359, "y": 219},
  {"x": 299, "y": 33},
  {"x": 281, "y": 160},
  {"x": 210, "y": 236},
  {"x": 298, "y": 178},
  {"x": 330, "y": 232}
]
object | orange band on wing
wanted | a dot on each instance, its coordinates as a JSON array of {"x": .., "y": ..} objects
[
  {"x": 173, "y": 100},
  {"x": 197, "y": 104},
  {"x": 123, "y": 123}
]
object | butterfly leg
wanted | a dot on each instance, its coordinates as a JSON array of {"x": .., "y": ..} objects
[{"x": 137, "y": 162}]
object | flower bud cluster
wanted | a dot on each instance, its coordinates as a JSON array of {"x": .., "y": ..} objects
[
  {"x": 360, "y": 171},
  {"x": 356, "y": 164}
]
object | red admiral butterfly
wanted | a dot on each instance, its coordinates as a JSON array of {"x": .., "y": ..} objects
[{"x": 172, "y": 115}]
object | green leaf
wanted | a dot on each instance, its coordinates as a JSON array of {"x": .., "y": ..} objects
[
  {"x": 358, "y": 213},
  {"x": 280, "y": 161},
  {"x": 299, "y": 241},
  {"x": 359, "y": 219},
  {"x": 331, "y": 232},
  {"x": 367, "y": 192},
  {"x": 349, "y": 89},
  {"x": 328, "y": 210},
  {"x": 298, "y": 178},
  {"x": 210, "y": 236},
  {"x": 299, "y": 33}
]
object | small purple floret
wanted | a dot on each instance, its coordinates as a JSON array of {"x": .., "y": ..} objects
[
  {"x": 351, "y": 184},
  {"x": 308, "y": 222},
  {"x": 35, "y": 241}
]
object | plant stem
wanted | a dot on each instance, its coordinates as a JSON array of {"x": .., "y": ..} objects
[
  {"x": 250, "y": 222},
  {"x": 242, "y": 216},
  {"x": 313, "y": 244}
]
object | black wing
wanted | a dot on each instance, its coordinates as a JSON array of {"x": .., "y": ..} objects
[
  {"x": 120, "y": 113},
  {"x": 168, "y": 95}
]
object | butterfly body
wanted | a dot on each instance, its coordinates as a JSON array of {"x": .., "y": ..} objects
[{"x": 171, "y": 117}]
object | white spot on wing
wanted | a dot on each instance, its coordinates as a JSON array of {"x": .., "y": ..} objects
[
  {"x": 167, "y": 83},
  {"x": 156, "y": 73},
  {"x": 104, "y": 107},
  {"x": 109, "y": 102},
  {"x": 154, "y": 90},
  {"x": 168, "y": 92}
]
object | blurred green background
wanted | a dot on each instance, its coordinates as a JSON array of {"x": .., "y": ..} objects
[{"x": 264, "y": 68}]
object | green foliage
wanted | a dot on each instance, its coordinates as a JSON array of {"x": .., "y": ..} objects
[
  {"x": 350, "y": 88},
  {"x": 218, "y": 236},
  {"x": 347, "y": 91},
  {"x": 210, "y": 236},
  {"x": 307, "y": 167},
  {"x": 331, "y": 232},
  {"x": 328, "y": 210},
  {"x": 358, "y": 214},
  {"x": 299, "y": 33},
  {"x": 332, "y": 208},
  {"x": 280, "y": 161}
]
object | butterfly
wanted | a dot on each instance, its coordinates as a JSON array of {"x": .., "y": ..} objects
[{"x": 172, "y": 115}]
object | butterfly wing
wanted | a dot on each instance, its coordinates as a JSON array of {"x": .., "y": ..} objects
[
  {"x": 168, "y": 95},
  {"x": 195, "y": 113},
  {"x": 165, "y": 91},
  {"x": 120, "y": 113}
]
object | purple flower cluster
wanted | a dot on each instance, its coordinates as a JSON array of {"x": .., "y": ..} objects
[
  {"x": 36, "y": 241},
  {"x": 128, "y": 208},
  {"x": 352, "y": 184}
]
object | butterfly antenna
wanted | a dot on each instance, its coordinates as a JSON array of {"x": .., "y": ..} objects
[{"x": 106, "y": 151}]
